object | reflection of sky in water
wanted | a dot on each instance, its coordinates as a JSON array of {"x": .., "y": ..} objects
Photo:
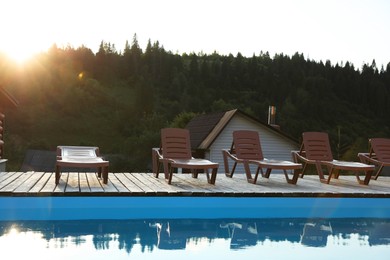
[{"x": 218, "y": 239}]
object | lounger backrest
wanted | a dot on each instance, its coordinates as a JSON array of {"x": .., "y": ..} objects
[
  {"x": 77, "y": 151},
  {"x": 247, "y": 145},
  {"x": 175, "y": 143},
  {"x": 381, "y": 148},
  {"x": 317, "y": 147}
]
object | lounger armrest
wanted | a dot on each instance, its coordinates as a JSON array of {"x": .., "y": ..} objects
[
  {"x": 156, "y": 157},
  {"x": 166, "y": 160},
  {"x": 298, "y": 157},
  {"x": 366, "y": 158},
  {"x": 227, "y": 153},
  {"x": 157, "y": 152}
]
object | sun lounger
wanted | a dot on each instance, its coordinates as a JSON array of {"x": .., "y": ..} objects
[
  {"x": 175, "y": 152},
  {"x": 378, "y": 155},
  {"x": 246, "y": 149},
  {"x": 80, "y": 157},
  {"x": 315, "y": 150}
]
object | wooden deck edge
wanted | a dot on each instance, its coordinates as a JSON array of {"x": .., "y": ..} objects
[{"x": 199, "y": 194}]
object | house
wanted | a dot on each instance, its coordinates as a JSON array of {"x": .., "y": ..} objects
[
  {"x": 6, "y": 101},
  {"x": 210, "y": 133}
]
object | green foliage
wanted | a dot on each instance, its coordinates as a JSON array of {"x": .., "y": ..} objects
[
  {"x": 120, "y": 102},
  {"x": 182, "y": 119}
]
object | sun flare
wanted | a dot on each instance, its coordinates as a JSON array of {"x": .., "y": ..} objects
[
  {"x": 24, "y": 32},
  {"x": 19, "y": 56}
]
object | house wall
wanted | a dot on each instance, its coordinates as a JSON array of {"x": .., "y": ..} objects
[{"x": 274, "y": 145}]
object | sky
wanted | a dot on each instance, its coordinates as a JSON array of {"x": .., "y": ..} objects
[{"x": 357, "y": 31}]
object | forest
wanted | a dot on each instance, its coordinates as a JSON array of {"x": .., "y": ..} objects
[{"x": 119, "y": 100}]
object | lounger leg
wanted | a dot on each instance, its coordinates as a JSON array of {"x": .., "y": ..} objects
[
  {"x": 169, "y": 179},
  {"x": 105, "y": 175},
  {"x": 267, "y": 173},
  {"x": 379, "y": 167},
  {"x": 166, "y": 169},
  {"x": 294, "y": 178},
  {"x": 303, "y": 170},
  {"x": 321, "y": 173},
  {"x": 213, "y": 176},
  {"x": 330, "y": 174},
  {"x": 248, "y": 173},
  {"x": 336, "y": 174},
  {"x": 258, "y": 170},
  {"x": 194, "y": 173},
  {"x": 156, "y": 163},
  {"x": 230, "y": 174},
  {"x": 99, "y": 172},
  {"x": 233, "y": 169},
  {"x": 367, "y": 178},
  {"x": 157, "y": 172},
  {"x": 378, "y": 172},
  {"x": 207, "y": 175},
  {"x": 226, "y": 165},
  {"x": 58, "y": 174}
]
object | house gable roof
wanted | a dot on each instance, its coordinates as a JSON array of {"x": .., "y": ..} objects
[
  {"x": 201, "y": 126},
  {"x": 205, "y": 128}
]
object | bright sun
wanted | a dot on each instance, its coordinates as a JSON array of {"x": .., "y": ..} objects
[
  {"x": 24, "y": 31},
  {"x": 18, "y": 55}
]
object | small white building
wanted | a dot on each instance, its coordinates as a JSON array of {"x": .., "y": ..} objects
[{"x": 210, "y": 133}]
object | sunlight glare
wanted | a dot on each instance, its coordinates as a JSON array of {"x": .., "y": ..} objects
[{"x": 19, "y": 56}]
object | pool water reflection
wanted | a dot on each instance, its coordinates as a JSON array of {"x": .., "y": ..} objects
[{"x": 220, "y": 238}]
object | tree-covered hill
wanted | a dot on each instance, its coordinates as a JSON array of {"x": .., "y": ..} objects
[{"x": 120, "y": 100}]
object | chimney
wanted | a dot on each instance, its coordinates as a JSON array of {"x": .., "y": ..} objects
[{"x": 272, "y": 117}]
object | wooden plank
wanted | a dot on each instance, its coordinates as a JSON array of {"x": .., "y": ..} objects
[
  {"x": 9, "y": 178},
  {"x": 147, "y": 181},
  {"x": 6, "y": 175},
  {"x": 117, "y": 183},
  {"x": 50, "y": 185},
  {"x": 94, "y": 183},
  {"x": 140, "y": 184},
  {"x": 184, "y": 188},
  {"x": 16, "y": 182},
  {"x": 197, "y": 185},
  {"x": 162, "y": 184},
  {"x": 60, "y": 188},
  {"x": 236, "y": 185},
  {"x": 109, "y": 187},
  {"x": 73, "y": 184},
  {"x": 41, "y": 183},
  {"x": 129, "y": 184},
  {"x": 84, "y": 187},
  {"x": 27, "y": 185}
]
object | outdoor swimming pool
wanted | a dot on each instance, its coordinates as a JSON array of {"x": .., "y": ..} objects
[{"x": 194, "y": 228}]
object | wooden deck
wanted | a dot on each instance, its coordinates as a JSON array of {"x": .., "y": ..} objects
[{"x": 39, "y": 184}]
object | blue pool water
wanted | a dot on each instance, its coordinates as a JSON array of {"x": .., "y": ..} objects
[
  {"x": 194, "y": 228},
  {"x": 279, "y": 238},
  {"x": 76, "y": 208}
]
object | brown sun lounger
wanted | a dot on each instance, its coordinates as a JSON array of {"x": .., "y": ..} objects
[
  {"x": 81, "y": 157},
  {"x": 315, "y": 150},
  {"x": 378, "y": 155},
  {"x": 175, "y": 152},
  {"x": 246, "y": 149}
]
